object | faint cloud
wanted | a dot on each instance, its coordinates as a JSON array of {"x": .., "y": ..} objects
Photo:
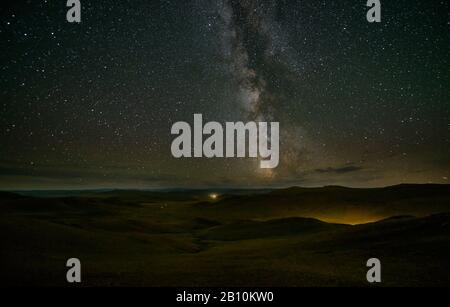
[{"x": 339, "y": 170}]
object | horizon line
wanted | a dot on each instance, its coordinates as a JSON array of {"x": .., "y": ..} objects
[{"x": 158, "y": 189}]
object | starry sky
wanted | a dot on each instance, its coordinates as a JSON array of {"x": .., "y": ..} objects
[{"x": 91, "y": 105}]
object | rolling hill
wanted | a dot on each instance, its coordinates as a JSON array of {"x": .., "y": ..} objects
[{"x": 288, "y": 237}]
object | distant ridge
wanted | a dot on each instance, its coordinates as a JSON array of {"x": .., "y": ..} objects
[
  {"x": 395, "y": 186},
  {"x": 399, "y": 187},
  {"x": 10, "y": 195},
  {"x": 338, "y": 204}
]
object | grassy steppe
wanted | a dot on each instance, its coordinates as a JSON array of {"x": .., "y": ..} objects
[{"x": 290, "y": 237}]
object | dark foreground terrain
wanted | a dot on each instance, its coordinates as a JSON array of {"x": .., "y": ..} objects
[{"x": 290, "y": 237}]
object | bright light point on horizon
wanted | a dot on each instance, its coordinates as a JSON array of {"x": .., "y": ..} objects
[{"x": 213, "y": 196}]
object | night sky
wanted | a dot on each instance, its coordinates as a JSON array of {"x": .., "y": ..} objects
[{"x": 91, "y": 105}]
